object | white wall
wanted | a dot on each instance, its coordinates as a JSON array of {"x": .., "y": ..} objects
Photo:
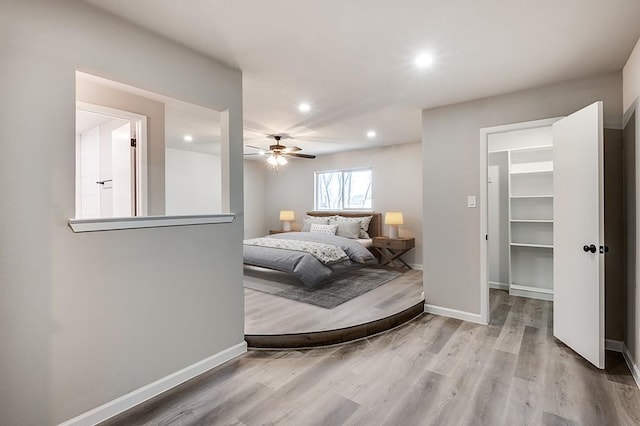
[
  {"x": 397, "y": 186},
  {"x": 631, "y": 79},
  {"x": 451, "y": 162},
  {"x": 87, "y": 318},
  {"x": 255, "y": 199},
  {"x": 193, "y": 184}
]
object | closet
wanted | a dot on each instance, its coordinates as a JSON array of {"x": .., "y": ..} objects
[{"x": 520, "y": 212}]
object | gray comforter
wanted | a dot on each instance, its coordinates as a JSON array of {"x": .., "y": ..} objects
[{"x": 304, "y": 265}]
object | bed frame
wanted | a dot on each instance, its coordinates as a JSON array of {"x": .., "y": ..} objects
[{"x": 375, "y": 227}]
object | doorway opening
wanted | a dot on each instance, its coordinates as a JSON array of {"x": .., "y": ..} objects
[
  {"x": 109, "y": 162},
  {"x": 554, "y": 248}
]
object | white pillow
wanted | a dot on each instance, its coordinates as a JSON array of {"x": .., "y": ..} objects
[
  {"x": 306, "y": 223},
  {"x": 364, "y": 223},
  {"x": 324, "y": 229}
]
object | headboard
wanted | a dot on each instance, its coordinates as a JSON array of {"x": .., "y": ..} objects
[{"x": 375, "y": 227}]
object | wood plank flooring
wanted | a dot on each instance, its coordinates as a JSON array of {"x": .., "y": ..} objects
[
  {"x": 269, "y": 314},
  {"x": 431, "y": 371}
]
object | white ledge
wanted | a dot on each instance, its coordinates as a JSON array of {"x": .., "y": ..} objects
[{"x": 115, "y": 223}]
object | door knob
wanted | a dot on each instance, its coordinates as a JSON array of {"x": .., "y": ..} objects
[
  {"x": 591, "y": 248},
  {"x": 604, "y": 249}
]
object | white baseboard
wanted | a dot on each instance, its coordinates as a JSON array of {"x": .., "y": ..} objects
[
  {"x": 614, "y": 345},
  {"x": 138, "y": 396},
  {"x": 416, "y": 266},
  {"x": 454, "y": 313},
  {"x": 498, "y": 286},
  {"x": 531, "y": 292},
  {"x": 635, "y": 371}
]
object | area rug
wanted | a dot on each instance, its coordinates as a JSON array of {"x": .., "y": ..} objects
[{"x": 344, "y": 286}]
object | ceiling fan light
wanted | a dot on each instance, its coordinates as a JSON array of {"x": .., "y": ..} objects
[
  {"x": 272, "y": 160},
  {"x": 281, "y": 160}
]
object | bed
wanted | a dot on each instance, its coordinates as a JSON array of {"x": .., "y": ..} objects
[{"x": 311, "y": 255}]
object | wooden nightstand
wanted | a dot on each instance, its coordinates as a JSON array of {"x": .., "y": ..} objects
[{"x": 391, "y": 249}]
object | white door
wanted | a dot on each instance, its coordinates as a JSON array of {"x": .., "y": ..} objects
[{"x": 578, "y": 233}]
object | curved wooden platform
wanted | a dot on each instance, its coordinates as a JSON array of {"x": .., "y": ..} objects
[
  {"x": 273, "y": 322},
  {"x": 333, "y": 337}
]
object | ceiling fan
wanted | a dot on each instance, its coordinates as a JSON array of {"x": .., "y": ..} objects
[{"x": 278, "y": 153}]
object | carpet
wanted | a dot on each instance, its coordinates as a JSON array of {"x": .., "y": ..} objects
[{"x": 344, "y": 286}]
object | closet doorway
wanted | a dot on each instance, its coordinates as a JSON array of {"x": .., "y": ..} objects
[{"x": 542, "y": 221}]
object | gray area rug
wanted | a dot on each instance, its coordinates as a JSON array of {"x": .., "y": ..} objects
[{"x": 344, "y": 286}]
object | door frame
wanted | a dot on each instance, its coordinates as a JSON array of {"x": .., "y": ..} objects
[
  {"x": 484, "y": 207},
  {"x": 140, "y": 164}
]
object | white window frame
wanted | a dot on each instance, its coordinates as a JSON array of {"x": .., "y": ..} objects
[{"x": 342, "y": 208}]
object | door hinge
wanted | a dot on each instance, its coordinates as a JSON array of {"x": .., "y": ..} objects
[{"x": 133, "y": 142}]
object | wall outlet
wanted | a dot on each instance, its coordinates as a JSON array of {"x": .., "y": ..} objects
[{"x": 471, "y": 201}]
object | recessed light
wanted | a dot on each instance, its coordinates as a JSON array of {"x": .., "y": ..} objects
[
  {"x": 371, "y": 134},
  {"x": 304, "y": 107},
  {"x": 188, "y": 138},
  {"x": 424, "y": 60}
]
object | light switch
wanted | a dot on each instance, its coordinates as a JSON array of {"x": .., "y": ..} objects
[{"x": 471, "y": 201}]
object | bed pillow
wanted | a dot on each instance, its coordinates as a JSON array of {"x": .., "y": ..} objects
[
  {"x": 324, "y": 229},
  {"x": 348, "y": 229},
  {"x": 364, "y": 222},
  {"x": 306, "y": 223}
]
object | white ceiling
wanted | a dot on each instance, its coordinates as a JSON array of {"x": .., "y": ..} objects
[{"x": 352, "y": 60}]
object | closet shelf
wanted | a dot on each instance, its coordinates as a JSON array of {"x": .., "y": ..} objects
[
  {"x": 531, "y": 172},
  {"x": 545, "y": 246},
  {"x": 531, "y": 196},
  {"x": 532, "y": 220}
]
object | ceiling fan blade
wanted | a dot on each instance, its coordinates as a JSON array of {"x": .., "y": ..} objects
[
  {"x": 291, "y": 149},
  {"x": 255, "y": 147},
  {"x": 255, "y": 153},
  {"x": 293, "y": 154}
]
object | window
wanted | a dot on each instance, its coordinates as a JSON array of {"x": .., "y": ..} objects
[{"x": 343, "y": 189}]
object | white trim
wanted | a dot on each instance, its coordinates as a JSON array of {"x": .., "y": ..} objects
[
  {"x": 531, "y": 292},
  {"x": 454, "y": 313},
  {"x": 115, "y": 223},
  {"x": 416, "y": 266},
  {"x": 633, "y": 367},
  {"x": 140, "y": 395},
  {"x": 498, "y": 286},
  {"x": 614, "y": 345}
]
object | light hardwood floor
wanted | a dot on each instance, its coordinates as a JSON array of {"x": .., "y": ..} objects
[
  {"x": 269, "y": 314},
  {"x": 431, "y": 371}
]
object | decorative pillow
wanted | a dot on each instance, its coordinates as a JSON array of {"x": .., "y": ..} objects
[
  {"x": 364, "y": 222},
  {"x": 324, "y": 229},
  {"x": 306, "y": 223},
  {"x": 348, "y": 229}
]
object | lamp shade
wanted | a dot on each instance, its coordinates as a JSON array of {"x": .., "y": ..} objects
[
  {"x": 393, "y": 218},
  {"x": 287, "y": 215}
]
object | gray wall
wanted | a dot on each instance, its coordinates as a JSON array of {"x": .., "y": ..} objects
[
  {"x": 451, "y": 170},
  {"x": 397, "y": 186},
  {"x": 86, "y": 318},
  {"x": 255, "y": 199},
  {"x": 498, "y": 217},
  {"x": 614, "y": 235}
]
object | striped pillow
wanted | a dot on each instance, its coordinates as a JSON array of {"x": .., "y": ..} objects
[{"x": 324, "y": 229}]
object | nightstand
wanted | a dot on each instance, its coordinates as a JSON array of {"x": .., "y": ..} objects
[
  {"x": 391, "y": 249},
  {"x": 277, "y": 231}
]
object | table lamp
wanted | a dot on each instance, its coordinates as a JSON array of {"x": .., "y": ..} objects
[
  {"x": 287, "y": 216},
  {"x": 393, "y": 219}
]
